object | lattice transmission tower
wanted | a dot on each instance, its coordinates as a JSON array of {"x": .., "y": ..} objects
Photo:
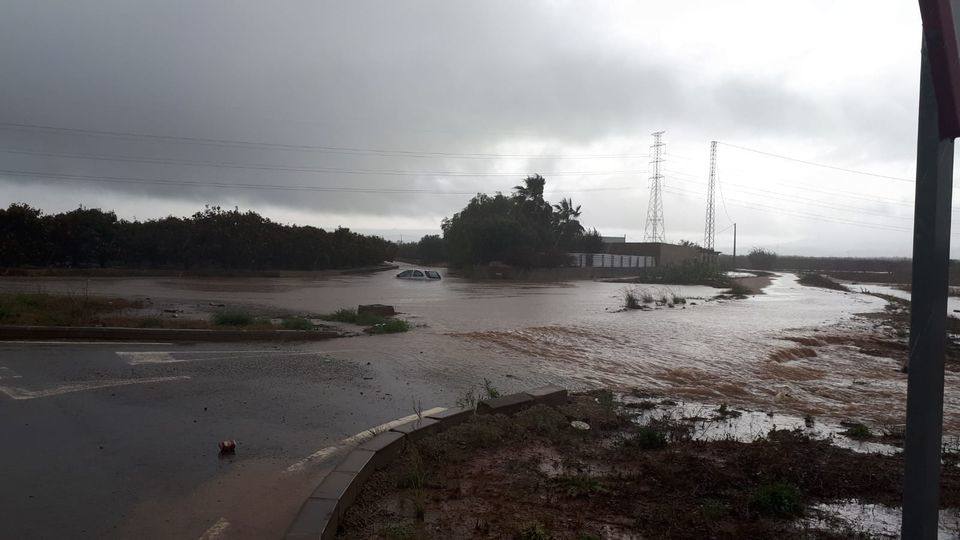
[
  {"x": 709, "y": 224},
  {"x": 654, "y": 230}
]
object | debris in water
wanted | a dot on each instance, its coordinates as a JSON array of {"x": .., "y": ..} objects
[{"x": 582, "y": 426}]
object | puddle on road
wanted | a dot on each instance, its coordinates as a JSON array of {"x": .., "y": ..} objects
[{"x": 873, "y": 520}]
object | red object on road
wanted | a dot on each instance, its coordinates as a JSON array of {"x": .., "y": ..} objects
[
  {"x": 228, "y": 446},
  {"x": 940, "y": 31}
]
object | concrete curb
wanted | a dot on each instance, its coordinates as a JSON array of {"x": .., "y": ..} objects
[
  {"x": 12, "y": 332},
  {"x": 320, "y": 514}
]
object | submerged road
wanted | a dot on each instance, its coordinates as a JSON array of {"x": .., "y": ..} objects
[{"x": 120, "y": 440}]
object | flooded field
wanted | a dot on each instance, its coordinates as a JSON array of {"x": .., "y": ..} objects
[
  {"x": 709, "y": 351},
  {"x": 953, "y": 302}
]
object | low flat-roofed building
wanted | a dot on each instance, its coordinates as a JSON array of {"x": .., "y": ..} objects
[{"x": 664, "y": 254}]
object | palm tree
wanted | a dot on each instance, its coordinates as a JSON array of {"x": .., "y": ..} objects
[
  {"x": 568, "y": 227},
  {"x": 566, "y": 211},
  {"x": 532, "y": 188}
]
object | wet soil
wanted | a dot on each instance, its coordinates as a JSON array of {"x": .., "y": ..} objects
[{"x": 535, "y": 476}]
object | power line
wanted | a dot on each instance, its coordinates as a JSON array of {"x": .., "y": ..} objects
[
  {"x": 834, "y": 193},
  {"x": 806, "y": 215},
  {"x": 723, "y": 202},
  {"x": 791, "y": 198},
  {"x": 815, "y": 164},
  {"x": 300, "y": 147},
  {"x": 279, "y": 187},
  {"x": 325, "y": 170}
]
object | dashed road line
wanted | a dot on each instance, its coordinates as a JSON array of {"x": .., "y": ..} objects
[
  {"x": 356, "y": 439},
  {"x": 22, "y": 393}
]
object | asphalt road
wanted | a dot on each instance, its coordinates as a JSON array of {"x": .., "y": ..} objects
[{"x": 120, "y": 440}]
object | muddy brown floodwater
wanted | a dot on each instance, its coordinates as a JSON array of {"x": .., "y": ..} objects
[{"x": 707, "y": 351}]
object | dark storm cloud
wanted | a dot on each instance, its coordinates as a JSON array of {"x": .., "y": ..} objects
[{"x": 450, "y": 77}]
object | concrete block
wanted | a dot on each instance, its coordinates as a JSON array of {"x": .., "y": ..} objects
[
  {"x": 386, "y": 445},
  {"x": 508, "y": 404},
  {"x": 451, "y": 417},
  {"x": 418, "y": 429},
  {"x": 317, "y": 519},
  {"x": 358, "y": 462},
  {"x": 337, "y": 485},
  {"x": 549, "y": 395}
]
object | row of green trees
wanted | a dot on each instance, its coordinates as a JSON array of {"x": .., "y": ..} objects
[
  {"x": 211, "y": 238},
  {"x": 521, "y": 229},
  {"x": 431, "y": 249}
]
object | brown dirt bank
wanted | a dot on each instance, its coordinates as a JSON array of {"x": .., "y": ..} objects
[
  {"x": 535, "y": 476},
  {"x": 756, "y": 284}
]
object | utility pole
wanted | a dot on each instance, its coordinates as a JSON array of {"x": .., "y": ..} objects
[
  {"x": 654, "y": 230},
  {"x": 709, "y": 222},
  {"x": 928, "y": 310},
  {"x": 734, "y": 246}
]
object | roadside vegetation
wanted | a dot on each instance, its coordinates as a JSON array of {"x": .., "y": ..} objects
[
  {"x": 296, "y": 323},
  {"x": 376, "y": 324},
  {"x": 521, "y": 229},
  {"x": 590, "y": 469},
  {"x": 687, "y": 273},
  {"x": 41, "y": 309},
  {"x": 636, "y": 298},
  {"x": 213, "y": 238},
  {"x": 738, "y": 291},
  {"x": 46, "y": 309},
  {"x": 814, "y": 279},
  {"x": 762, "y": 258},
  {"x": 429, "y": 250}
]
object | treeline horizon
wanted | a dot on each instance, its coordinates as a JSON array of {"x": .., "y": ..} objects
[{"x": 212, "y": 238}]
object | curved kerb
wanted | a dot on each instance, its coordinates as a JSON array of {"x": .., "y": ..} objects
[{"x": 321, "y": 512}]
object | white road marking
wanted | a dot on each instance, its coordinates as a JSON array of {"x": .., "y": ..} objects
[
  {"x": 21, "y": 393},
  {"x": 356, "y": 439},
  {"x": 136, "y": 358},
  {"x": 148, "y": 357},
  {"x": 217, "y": 530},
  {"x": 7, "y": 373}
]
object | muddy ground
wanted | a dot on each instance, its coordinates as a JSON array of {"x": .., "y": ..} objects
[{"x": 536, "y": 476}]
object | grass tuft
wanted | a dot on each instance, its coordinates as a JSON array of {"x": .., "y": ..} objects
[
  {"x": 375, "y": 323},
  {"x": 858, "y": 431},
  {"x": 777, "y": 500},
  {"x": 233, "y": 317},
  {"x": 390, "y": 326},
  {"x": 631, "y": 299},
  {"x": 738, "y": 290},
  {"x": 647, "y": 438},
  {"x": 296, "y": 323},
  {"x": 533, "y": 531},
  {"x": 580, "y": 485}
]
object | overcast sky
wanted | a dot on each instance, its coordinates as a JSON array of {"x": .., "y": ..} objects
[{"x": 157, "y": 108}]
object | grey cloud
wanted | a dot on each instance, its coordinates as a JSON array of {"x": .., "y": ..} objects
[{"x": 452, "y": 77}]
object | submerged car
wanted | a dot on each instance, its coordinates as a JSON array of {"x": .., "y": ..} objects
[{"x": 419, "y": 275}]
